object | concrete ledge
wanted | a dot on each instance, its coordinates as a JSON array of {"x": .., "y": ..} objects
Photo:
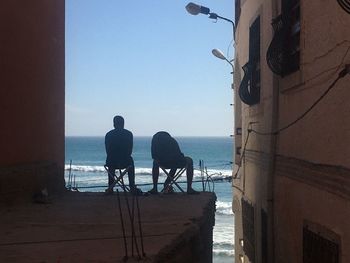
[
  {"x": 86, "y": 227},
  {"x": 19, "y": 182}
]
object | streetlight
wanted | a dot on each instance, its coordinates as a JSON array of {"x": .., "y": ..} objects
[
  {"x": 195, "y": 9},
  {"x": 218, "y": 53}
]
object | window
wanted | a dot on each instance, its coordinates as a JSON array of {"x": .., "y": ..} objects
[
  {"x": 317, "y": 249},
  {"x": 237, "y": 11},
  {"x": 283, "y": 55},
  {"x": 292, "y": 9},
  {"x": 249, "y": 90},
  {"x": 264, "y": 238},
  {"x": 248, "y": 230}
]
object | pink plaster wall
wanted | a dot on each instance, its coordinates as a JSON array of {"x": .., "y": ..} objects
[{"x": 32, "y": 83}]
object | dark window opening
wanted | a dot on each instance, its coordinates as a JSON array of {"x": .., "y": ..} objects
[
  {"x": 293, "y": 36},
  {"x": 283, "y": 55},
  {"x": 248, "y": 230},
  {"x": 237, "y": 11},
  {"x": 264, "y": 237},
  {"x": 317, "y": 249},
  {"x": 249, "y": 90},
  {"x": 254, "y": 58}
]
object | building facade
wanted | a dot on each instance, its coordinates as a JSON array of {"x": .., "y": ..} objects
[{"x": 292, "y": 176}]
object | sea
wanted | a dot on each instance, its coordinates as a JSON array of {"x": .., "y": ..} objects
[{"x": 85, "y": 157}]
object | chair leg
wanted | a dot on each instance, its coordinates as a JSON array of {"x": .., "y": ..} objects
[
  {"x": 118, "y": 180},
  {"x": 173, "y": 179}
]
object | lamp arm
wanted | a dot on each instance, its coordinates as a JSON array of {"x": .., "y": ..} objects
[{"x": 226, "y": 19}]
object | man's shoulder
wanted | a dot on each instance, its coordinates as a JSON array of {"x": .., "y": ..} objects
[
  {"x": 109, "y": 133},
  {"x": 127, "y": 132},
  {"x": 119, "y": 133}
]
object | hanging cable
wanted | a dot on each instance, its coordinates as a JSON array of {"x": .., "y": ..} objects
[
  {"x": 243, "y": 153},
  {"x": 341, "y": 75}
]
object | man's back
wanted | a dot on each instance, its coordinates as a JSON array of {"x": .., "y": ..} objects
[
  {"x": 165, "y": 148},
  {"x": 119, "y": 143}
]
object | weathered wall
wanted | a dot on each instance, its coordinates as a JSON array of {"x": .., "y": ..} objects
[
  {"x": 325, "y": 42},
  {"x": 32, "y": 95},
  {"x": 299, "y": 203},
  {"x": 194, "y": 245},
  {"x": 310, "y": 163},
  {"x": 253, "y": 177},
  {"x": 312, "y": 168}
]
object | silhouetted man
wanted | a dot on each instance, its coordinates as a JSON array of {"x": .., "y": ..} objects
[
  {"x": 166, "y": 153},
  {"x": 119, "y": 143}
]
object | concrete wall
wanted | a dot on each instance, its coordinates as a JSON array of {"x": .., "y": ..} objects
[
  {"x": 194, "y": 245},
  {"x": 32, "y": 96},
  {"x": 324, "y": 48},
  {"x": 300, "y": 177},
  {"x": 255, "y": 170},
  {"x": 310, "y": 193},
  {"x": 312, "y": 168}
]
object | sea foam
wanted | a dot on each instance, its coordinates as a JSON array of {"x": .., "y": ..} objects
[
  {"x": 224, "y": 208},
  {"x": 215, "y": 174}
]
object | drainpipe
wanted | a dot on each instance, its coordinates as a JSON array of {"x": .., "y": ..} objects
[{"x": 272, "y": 161}]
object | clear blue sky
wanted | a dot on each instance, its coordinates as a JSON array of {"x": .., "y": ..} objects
[{"x": 151, "y": 62}]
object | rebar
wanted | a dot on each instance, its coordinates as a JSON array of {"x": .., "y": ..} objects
[
  {"x": 140, "y": 226},
  {"x": 123, "y": 228}
]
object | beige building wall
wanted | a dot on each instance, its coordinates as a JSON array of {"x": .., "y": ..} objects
[
  {"x": 252, "y": 179},
  {"x": 301, "y": 177},
  {"x": 312, "y": 168}
]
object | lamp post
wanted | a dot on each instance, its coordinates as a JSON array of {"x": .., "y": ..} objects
[
  {"x": 218, "y": 53},
  {"x": 195, "y": 9}
]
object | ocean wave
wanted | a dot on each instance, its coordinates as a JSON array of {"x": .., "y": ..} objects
[
  {"x": 224, "y": 208},
  {"x": 224, "y": 252},
  {"x": 213, "y": 173},
  {"x": 227, "y": 244},
  {"x": 84, "y": 168}
]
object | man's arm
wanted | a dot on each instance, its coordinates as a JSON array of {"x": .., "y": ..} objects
[
  {"x": 176, "y": 149},
  {"x": 107, "y": 144},
  {"x": 130, "y": 143}
]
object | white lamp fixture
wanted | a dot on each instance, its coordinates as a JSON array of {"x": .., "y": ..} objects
[
  {"x": 218, "y": 53},
  {"x": 195, "y": 9}
]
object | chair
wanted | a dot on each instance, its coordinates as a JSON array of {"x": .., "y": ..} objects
[
  {"x": 172, "y": 178},
  {"x": 118, "y": 179}
]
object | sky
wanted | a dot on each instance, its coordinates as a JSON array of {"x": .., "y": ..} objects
[{"x": 151, "y": 62}]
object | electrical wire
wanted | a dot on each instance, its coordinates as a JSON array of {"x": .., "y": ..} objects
[
  {"x": 341, "y": 75},
  {"x": 243, "y": 153},
  {"x": 326, "y": 53},
  {"x": 335, "y": 68}
]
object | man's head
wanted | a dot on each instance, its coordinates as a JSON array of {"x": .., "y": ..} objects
[{"x": 118, "y": 122}]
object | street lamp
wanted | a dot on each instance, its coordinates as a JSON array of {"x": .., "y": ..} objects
[
  {"x": 195, "y": 9},
  {"x": 218, "y": 53}
]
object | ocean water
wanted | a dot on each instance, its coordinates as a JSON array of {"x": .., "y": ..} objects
[{"x": 88, "y": 157}]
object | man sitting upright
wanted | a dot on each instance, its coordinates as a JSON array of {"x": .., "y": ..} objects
[
  {"x": 166, "y": 153},
  {"x": 119, "y": 144}
]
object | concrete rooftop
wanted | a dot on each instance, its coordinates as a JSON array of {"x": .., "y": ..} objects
[{"x": 86, "y": 227}]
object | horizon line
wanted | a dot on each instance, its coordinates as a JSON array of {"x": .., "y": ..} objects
[{"x": 224, "y": 136}]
